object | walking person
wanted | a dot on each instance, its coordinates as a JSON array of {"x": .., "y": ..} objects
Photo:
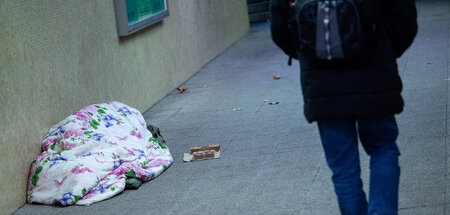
[{"x": 351, "y": 93}]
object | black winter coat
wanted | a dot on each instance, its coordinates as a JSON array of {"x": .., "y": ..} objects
[{"x": 367, "y": 88}]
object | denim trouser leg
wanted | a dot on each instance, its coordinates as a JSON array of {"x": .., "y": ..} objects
[
  {"x": 340, "y": 143},
  {"x": 378, "y": 136}
]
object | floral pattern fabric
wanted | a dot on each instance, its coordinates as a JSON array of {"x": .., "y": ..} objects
[{"x": 87, "y": 157}]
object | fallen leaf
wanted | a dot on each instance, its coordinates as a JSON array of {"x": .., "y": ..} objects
[
  {"x": 273, "y": 103},
  {"x": 429, "y": 63},
  {"x": 276, "y": 77},
  {"x": 181, "y": 89},
  {"x": 236, "y": 109}
]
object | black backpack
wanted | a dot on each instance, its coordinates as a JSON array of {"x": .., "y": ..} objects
[{"x": 333, "y": 29}]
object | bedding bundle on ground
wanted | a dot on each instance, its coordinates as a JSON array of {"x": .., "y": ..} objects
[{"x": 88, "y": 156}]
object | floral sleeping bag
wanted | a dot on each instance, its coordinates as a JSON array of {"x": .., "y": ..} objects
[{"x": 88, "y": 156}]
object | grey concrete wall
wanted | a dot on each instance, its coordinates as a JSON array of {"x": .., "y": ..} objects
[{"x": 59, "y": 56}]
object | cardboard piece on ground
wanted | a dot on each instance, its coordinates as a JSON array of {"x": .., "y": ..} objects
[{"x": 202, "y": 153}]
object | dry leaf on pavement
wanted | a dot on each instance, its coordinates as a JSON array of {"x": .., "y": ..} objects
[
  {"x": 276, "y": 77},
  {"x": 181, "y": 89}
]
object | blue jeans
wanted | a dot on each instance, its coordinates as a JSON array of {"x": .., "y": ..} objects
[{"x": 340, "y": 143}]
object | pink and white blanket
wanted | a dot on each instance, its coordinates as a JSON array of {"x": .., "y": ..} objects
[{"x": 87, "y": 157}]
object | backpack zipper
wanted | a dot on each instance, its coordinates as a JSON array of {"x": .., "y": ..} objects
[{"x": 326, "y": 21}]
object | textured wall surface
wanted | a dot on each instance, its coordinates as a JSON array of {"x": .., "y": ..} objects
[{"x": 59, "y": 56}]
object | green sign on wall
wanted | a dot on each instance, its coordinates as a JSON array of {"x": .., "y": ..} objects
[
  {"x": 138, "y": 10},
  {"x": 134, "y": 15}
]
